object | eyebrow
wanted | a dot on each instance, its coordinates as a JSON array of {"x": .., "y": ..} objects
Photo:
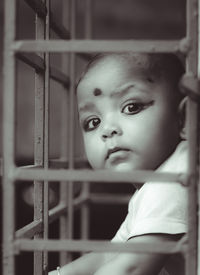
[
  {"x": 123, "y": 90},
  {"x": 88, "y": 106}
]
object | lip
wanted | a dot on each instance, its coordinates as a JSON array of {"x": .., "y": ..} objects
[{"x": 115, "y": 150}]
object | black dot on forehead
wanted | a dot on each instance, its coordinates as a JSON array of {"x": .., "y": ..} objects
[{"x": 97, "y": 92}]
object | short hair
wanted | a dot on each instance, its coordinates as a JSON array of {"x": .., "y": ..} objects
[{"x": 156, "y": 65}]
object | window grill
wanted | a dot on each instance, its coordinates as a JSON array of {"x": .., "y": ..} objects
[{"x": 36, "y": 54}]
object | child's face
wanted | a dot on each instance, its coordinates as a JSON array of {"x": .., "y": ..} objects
[{"x": 127, "y": 121}]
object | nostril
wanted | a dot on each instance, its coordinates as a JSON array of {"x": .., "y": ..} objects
[{"x": 112, "y": 133}]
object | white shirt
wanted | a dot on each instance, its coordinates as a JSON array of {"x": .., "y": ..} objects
[{"x": 159, "y": 207}]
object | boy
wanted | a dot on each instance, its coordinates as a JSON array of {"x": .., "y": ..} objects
[{"x": 128, "y": 109}]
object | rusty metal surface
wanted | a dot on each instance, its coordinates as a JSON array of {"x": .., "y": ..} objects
[
  {"x": 46, "y": 141},
  {"x": 8, "y": 137},
  {"x": 39, "y": 145}
]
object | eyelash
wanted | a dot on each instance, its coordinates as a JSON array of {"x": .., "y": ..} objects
[
  {"x": 86, "y": 124},
  {"x": 140, "y": 106}
]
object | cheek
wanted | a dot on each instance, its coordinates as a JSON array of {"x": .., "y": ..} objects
[
  {"x": 151, "y": 130},
  {"x": 93, "y": 151}
]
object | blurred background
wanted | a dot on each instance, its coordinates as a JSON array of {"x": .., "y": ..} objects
[{"x": 111, "y": 19}]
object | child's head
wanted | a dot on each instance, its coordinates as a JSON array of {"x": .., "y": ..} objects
[{"x": 128, "y": 109}]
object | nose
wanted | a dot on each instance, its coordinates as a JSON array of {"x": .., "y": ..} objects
[{"x": 111, "y": 130}]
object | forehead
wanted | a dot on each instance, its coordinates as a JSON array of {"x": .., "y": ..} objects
[{"x": 111, "y": 71}]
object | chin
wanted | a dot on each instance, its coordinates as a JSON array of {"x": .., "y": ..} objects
[{"x": 123, "y": 167}]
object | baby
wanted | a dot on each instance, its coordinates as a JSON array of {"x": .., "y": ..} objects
[{"x": 130, "y": 119}]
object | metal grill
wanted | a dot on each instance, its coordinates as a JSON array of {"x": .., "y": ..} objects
[{"x": 36, "y": 54}]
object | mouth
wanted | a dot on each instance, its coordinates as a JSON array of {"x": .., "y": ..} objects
[{"x": 115, "y": 151}]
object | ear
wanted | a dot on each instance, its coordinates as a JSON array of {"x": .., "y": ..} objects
[{"x": 182, "y": 118}]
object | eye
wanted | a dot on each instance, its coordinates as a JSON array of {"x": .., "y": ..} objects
[
  {"x": 133, "y": 108},
  {"x": 91, "y": 124}
]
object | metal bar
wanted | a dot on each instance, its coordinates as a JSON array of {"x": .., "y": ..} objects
[
  {"x": 198, "y": 191},
  {"x": 39, "y": 146},
  {"x": 64, "y": 257},
  {"x": 88, "y": 19},
  {"x": 56, "y": 212},
  {"x": 46, "y": 140},
  {"x": 109, "y": 199},
  {"x": 33, "y": 166},
  {"x": 29, "y": 230},
  {"x": 33, "y": 60},
  {"x": 36, "y": 62},
  {"x": 85, "y": 46},
  {"x": 139, "y": 176},
  {"x": 85, "y": 210},
  {"x": 38, "y": 6},
  {"x": 101, "y": 198},
  {"x": 41, "y": 10},
  {"x": 98, "y": 246},
  {"x": 60, "y": 77},
  {"x": 9, "y": 87},
  {"x": 63, "y": 161},
  {"x": 59, "y": 29},
  {"x": 71, "y": 119},
  {"x": 192, "y": 126}
]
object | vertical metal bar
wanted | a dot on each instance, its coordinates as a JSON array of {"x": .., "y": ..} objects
[
  {"x": 85, "y": 211},
  {"x": 39, "y": 147},
  {"x": 64, "y": 188},
  {"x": 9, "y": 137},
  {"x": 198, "y": 72},
  {"x": 88, "y": 19},
  {"x": 46, "y": 141},
  {"x": 71, "y": 119},
  {"x": 192, "y": 125}
]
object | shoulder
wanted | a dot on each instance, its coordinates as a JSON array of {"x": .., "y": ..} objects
[
  {"x": 178, "y": 161},
  {"x": 161, "y": 207}
]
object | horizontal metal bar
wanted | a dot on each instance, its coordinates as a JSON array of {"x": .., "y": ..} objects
[
  {"x": 40, "y": 9},
  {"x": 138, "y": 176},
  {"x": 64, "y": 163},
  {"x": 97, "y": 246},
  {"x": 97, "y": 46},
  {"x": 29, "y": 230},
  {"x": 37, "y": 62},
  {"x": 100, "y": 198},
  {"x": 38, "y": 6}
]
